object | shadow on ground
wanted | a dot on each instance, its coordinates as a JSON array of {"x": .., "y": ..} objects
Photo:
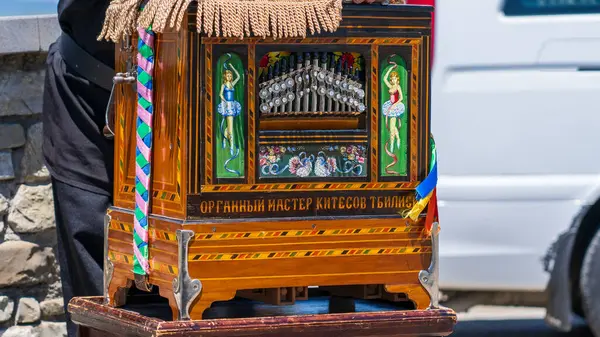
[{"x": 515, "y": 328}]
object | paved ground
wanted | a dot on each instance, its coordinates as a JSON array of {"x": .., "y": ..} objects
[{"x": 492, "y": 321}]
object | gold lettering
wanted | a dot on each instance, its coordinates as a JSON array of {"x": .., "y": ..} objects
[
  {"x": 204, "y": 207},
  {"x": 219, "y": 205},
  {"x": 235, "y": 206},
  {"x": 309, "y": 202},
  {"x": 379, "y": 202},
  {"x": 409, "y": 202},
  {"x": 349, "y": 203},
  {"x": 372, "y": 202},
  {"x": 396, "y": 201},
  {"x": 363, "y": 202},
  {"x": 227, "y": 207},
  {"x": 271, "y": 205},
  {"x": 243, "y": 204},
  {"x": 341, "y": 202},
  {"x": 260, "y": 206},
  {"x": 287, "y": 204},
  {"x": 319, "y": 203}
]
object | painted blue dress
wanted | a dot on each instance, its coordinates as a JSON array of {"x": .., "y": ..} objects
[
  {"x": 397, "y": 110},
  {"x": 230, "y": 107}
]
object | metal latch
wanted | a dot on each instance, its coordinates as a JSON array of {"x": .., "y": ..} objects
[{"x": 128, "y": 77}]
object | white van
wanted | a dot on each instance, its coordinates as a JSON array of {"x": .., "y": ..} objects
[{"x": 516, "y": 119}]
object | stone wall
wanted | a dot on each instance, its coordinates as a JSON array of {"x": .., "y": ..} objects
[{"x": 30, "y": 295}]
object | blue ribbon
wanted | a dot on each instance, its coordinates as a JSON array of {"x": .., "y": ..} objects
[{"x": 430, "y": 182}]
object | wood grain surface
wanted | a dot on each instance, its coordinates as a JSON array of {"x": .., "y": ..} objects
[{"x": 102, "y": 321}]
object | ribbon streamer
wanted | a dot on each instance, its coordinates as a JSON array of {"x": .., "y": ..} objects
[
  {"x": 143, "y": 150},
  {"x": 426, "y": 195}
]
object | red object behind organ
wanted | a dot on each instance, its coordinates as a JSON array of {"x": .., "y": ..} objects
[{"x": 428, "y": 3}]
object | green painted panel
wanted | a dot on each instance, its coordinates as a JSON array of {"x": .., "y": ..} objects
[
  {"x": 394, "y": 105},
  {"x": 230, "y": 108}
]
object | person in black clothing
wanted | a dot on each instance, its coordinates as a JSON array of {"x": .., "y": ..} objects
[{"x": 78, "y": 156}]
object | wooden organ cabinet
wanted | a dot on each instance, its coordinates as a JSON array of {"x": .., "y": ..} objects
[{"x": 281, "y": 164}]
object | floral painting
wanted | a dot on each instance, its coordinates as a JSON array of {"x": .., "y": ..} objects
[{"x": 313, "y": 161}]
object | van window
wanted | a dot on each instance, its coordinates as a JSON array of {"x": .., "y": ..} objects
[{"x": 550, "y": 7}]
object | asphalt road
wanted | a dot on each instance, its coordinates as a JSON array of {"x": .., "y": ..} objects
[{"x": 510, "y": 322}]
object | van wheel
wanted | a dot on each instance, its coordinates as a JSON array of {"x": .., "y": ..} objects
[{"x": 590, "y": 284}]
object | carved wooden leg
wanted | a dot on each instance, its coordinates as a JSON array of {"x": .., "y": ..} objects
[
  {"x": 117, "y": 290},
  {"x": 416, "y": 293},
  {"x": 166, "y": 291},
  {"x": 206, "y": 299}
]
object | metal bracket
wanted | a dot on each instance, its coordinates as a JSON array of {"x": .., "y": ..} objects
[
  {"x": 108, "y": 265},
  {"x": 430, "y": 278},
  {"x": 185, "y": 289}
]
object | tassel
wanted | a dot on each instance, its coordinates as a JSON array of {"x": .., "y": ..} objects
[
  {"x": 119, "y": 20},
  {"x": 225, "y": 18},
  {"x": 147, "y": 17}
]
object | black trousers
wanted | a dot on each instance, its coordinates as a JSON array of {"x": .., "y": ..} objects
[
  {"x": 80, "y": 230},
  {"x": 80, "y": 162}
]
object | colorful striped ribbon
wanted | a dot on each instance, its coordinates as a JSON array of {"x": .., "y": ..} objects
[
  {"x": 426, "y": 194},
  {"x": 143, "y": 150}
]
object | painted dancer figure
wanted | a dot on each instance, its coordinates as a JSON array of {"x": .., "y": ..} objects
[
  {"x": 394, "y": 108},
  {"x": 229, "y": 107}
]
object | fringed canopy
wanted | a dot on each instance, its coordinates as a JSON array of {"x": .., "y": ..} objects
[{"x": 225, "y": 18}]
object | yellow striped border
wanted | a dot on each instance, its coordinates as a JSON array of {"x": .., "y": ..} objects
[
  {"x": 121, "y": 258},
  {"x": 414, "y": 112},
  {"x": 208, "y": 111},
  {"x": 314, "y": 40},
  {"x": 170, "y": 236},
  {"x": 309, "y": 253},
  {"x": 403, "y": 186},
  {"x": 251, "y": 114}
]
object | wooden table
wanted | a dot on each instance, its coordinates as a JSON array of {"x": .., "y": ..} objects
[{"x": 246, "y": 318}]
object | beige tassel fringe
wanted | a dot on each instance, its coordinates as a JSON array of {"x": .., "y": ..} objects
[{"x": 225, "y": 18}]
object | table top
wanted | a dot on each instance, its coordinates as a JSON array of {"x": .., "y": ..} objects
[{"x": 148, "y": 317}]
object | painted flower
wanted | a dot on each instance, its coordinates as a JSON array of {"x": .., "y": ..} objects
[
  {"x": 348, "y": 59},
  {"x": 282, "y": 149},
  {"x": 361, "y": 160},
  {"x": 294, "y": 164},
  {"x": 304, "y": 171},
  {"x": 351, "y": 156},
  {"x": 343, "y": 149},
  {"x": 331, "y": 164},
  {"x": 263, "y": 161},
  {"x": 264, "y": 61}
]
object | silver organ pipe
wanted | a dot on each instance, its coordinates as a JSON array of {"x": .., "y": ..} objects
[{"x": 311, "y": 84}]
